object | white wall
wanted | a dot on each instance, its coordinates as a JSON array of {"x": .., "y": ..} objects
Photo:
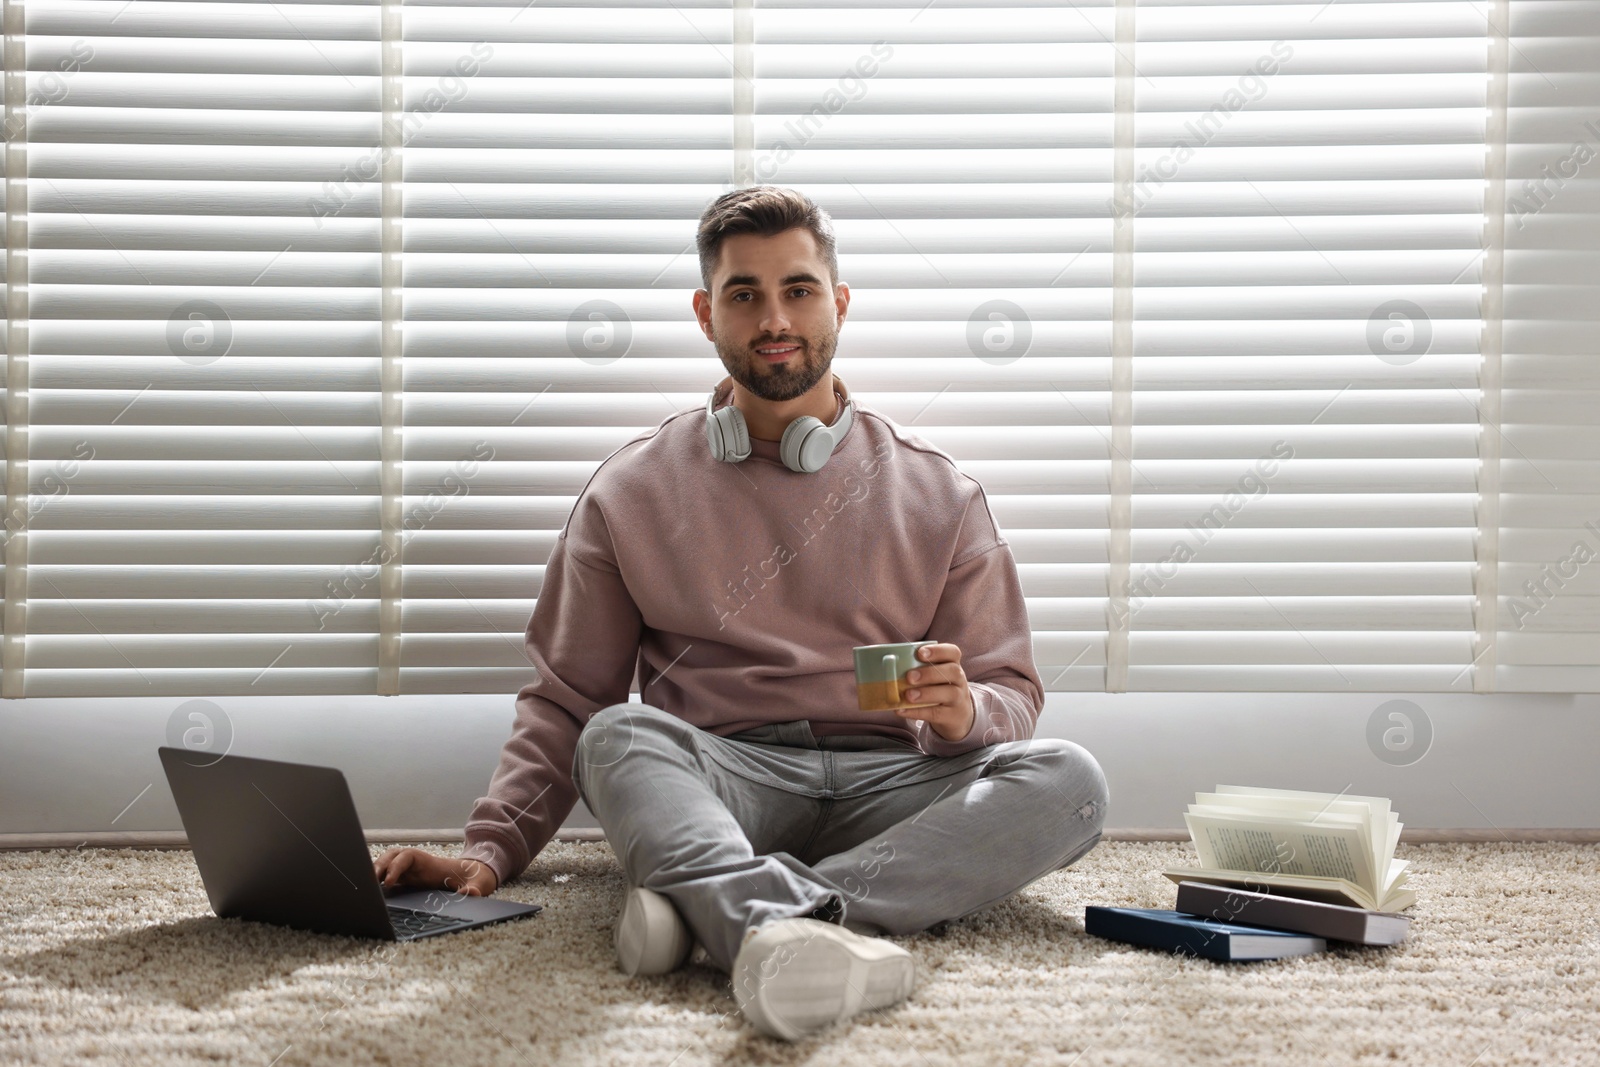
[{"x": 72, "y": 765}]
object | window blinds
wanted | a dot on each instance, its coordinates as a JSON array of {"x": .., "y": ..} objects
[
  {"x": 206, "y": 410},
  {"x": 1549, "y": 516},
  {"x": 332, "y": 309},
  {"x": 1308, "y": 207}
]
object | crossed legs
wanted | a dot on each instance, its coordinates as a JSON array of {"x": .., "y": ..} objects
[{"x": 722, "y": 846}]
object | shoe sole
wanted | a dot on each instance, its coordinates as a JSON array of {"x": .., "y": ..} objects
[
  {"x": 651, "y": 937},
  {"x": 816, "y": 978}
]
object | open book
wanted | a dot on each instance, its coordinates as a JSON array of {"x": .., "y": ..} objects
[{"x": 1320, "y": 846}]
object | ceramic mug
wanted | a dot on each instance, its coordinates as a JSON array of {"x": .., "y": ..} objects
[{"x": 881, "y": 671}]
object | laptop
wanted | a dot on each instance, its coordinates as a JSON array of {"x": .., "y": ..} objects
[{"x": 280, "y": 843}]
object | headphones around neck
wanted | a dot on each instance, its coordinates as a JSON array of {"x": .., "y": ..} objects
[{"x": 807, "y": 442}]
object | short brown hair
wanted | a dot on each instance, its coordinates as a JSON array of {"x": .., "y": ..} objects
[{"x": 767, "y": 210}]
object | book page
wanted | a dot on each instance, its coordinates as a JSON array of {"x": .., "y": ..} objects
[
  {"x": 1323, "y": 821},
  {"x": 1396, "y": 875},
  {"x": 1308, "y": 809},
  {"x": 1288, "y": 846},
  {"x": 1312, "y": 815},
  {"x": 1384, "y": 836},
  {"x": 1373, "y": 810},
  {"x": 1378, "y": 805},
  {"x": 1339, "y": 811}
]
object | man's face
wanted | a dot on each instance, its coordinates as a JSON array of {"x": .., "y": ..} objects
[{"x": 773, "y": 293}]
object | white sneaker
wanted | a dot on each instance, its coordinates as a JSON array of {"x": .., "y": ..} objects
[
  {"x": 651, "y": 936},
  {"x": 794, "y": 977}
]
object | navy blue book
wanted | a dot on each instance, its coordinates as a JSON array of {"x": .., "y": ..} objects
[{"x": 1192, "y": 935}]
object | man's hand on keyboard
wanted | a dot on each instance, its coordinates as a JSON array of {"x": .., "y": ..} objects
[{"x": 412, "y": 868}]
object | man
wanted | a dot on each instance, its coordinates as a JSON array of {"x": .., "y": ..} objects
[{"x": 754, "y": 809}]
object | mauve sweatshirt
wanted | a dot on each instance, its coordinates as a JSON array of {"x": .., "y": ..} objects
[{"x": 731, "y": 595}]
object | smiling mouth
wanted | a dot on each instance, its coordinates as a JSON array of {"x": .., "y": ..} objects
[{"x": 775, "y": 352}]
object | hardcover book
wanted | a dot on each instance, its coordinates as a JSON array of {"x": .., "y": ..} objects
[
  {"x": 1190, "y": 934},
  {"x": 1275, "y": 911}
]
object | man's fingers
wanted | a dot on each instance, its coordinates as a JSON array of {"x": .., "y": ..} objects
[
  {"x": 398, "y": 866},
  {"x": 380, "y": 866},
  {"x": 934, "y": 673}
]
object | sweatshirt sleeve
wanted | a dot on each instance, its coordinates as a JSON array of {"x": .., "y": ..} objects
[
  {"x": 583, "y": 639},
  {"x": 982, "y": 611}
]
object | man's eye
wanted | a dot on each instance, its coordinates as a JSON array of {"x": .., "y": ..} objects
[{"x": 801, "y": 289}]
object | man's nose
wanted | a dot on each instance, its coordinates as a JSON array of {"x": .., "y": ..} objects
[{"x": 775, "y": 322}]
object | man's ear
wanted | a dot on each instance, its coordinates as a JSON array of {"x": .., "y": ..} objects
[
  {"x": 841, "y": 301},
  {"x": 701, "y": 302}
]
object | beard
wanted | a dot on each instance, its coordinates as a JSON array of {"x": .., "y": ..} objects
[{"x": 779, "y": 381}]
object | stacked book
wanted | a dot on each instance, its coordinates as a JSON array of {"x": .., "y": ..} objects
[{"x": 1281, "y": 873}]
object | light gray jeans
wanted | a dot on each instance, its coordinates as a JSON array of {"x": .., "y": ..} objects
[{"x": 773, "y": 823}]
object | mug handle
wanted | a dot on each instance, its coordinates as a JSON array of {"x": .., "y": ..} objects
[{"x": 891, "y": 670}]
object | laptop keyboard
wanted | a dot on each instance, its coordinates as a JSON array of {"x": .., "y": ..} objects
[{"x": 409, "y": 923}]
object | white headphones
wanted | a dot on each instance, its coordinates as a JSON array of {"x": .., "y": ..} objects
[{"x": 807, "y": 442}]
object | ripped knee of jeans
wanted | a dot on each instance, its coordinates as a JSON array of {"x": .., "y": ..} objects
[
  {"x": 1092, "y": 811},
  {"x": 1076, "y": 779}
]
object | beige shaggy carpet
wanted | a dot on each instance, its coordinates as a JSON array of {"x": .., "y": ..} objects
[{"x": 113, "y": 957}]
